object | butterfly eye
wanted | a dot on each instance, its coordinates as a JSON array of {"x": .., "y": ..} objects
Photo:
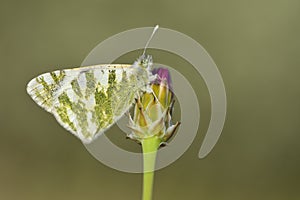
[{"x": 145, "y": 61}]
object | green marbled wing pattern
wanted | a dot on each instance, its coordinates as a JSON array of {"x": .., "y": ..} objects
[{"x": 88, "y": 100}]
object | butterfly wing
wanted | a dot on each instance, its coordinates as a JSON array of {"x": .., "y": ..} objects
[{"x": 87, "y": 100}]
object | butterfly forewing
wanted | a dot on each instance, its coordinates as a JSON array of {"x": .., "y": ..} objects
[{"x": 87, "y": 100}]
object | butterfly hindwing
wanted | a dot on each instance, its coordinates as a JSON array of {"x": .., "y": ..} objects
[{"x": 87, "y": 100}]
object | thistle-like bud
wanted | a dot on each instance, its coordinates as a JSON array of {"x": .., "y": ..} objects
[{"x": 153, "y": 111}]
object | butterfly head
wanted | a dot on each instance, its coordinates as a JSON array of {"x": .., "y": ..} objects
[
  {"x": 143, "y": 65},
  {"x": 145, "y": 61}
]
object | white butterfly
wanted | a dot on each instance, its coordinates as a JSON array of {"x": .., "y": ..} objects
[{"x": 88, "y": 100}]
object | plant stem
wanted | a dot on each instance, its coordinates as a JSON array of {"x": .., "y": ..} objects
[{"x": 150, "y": 146}]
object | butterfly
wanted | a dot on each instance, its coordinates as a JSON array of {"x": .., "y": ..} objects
[{"x": 88, "y": 100}]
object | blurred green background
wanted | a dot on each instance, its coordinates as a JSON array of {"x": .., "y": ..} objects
[{"x": 254, "y": 43}]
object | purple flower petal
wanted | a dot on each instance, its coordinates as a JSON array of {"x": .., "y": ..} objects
[{"x": 163, "y": 74}]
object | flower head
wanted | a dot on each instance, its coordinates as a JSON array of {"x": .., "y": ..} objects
[{"x": 153, "y": 110}]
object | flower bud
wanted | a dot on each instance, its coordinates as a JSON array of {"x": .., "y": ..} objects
[{"x": 153, "y": 110}]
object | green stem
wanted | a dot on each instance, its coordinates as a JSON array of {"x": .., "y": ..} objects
[{"x": 150, "y": 146}]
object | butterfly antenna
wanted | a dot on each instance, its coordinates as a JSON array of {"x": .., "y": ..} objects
[{"x": 146, "y": 46}]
